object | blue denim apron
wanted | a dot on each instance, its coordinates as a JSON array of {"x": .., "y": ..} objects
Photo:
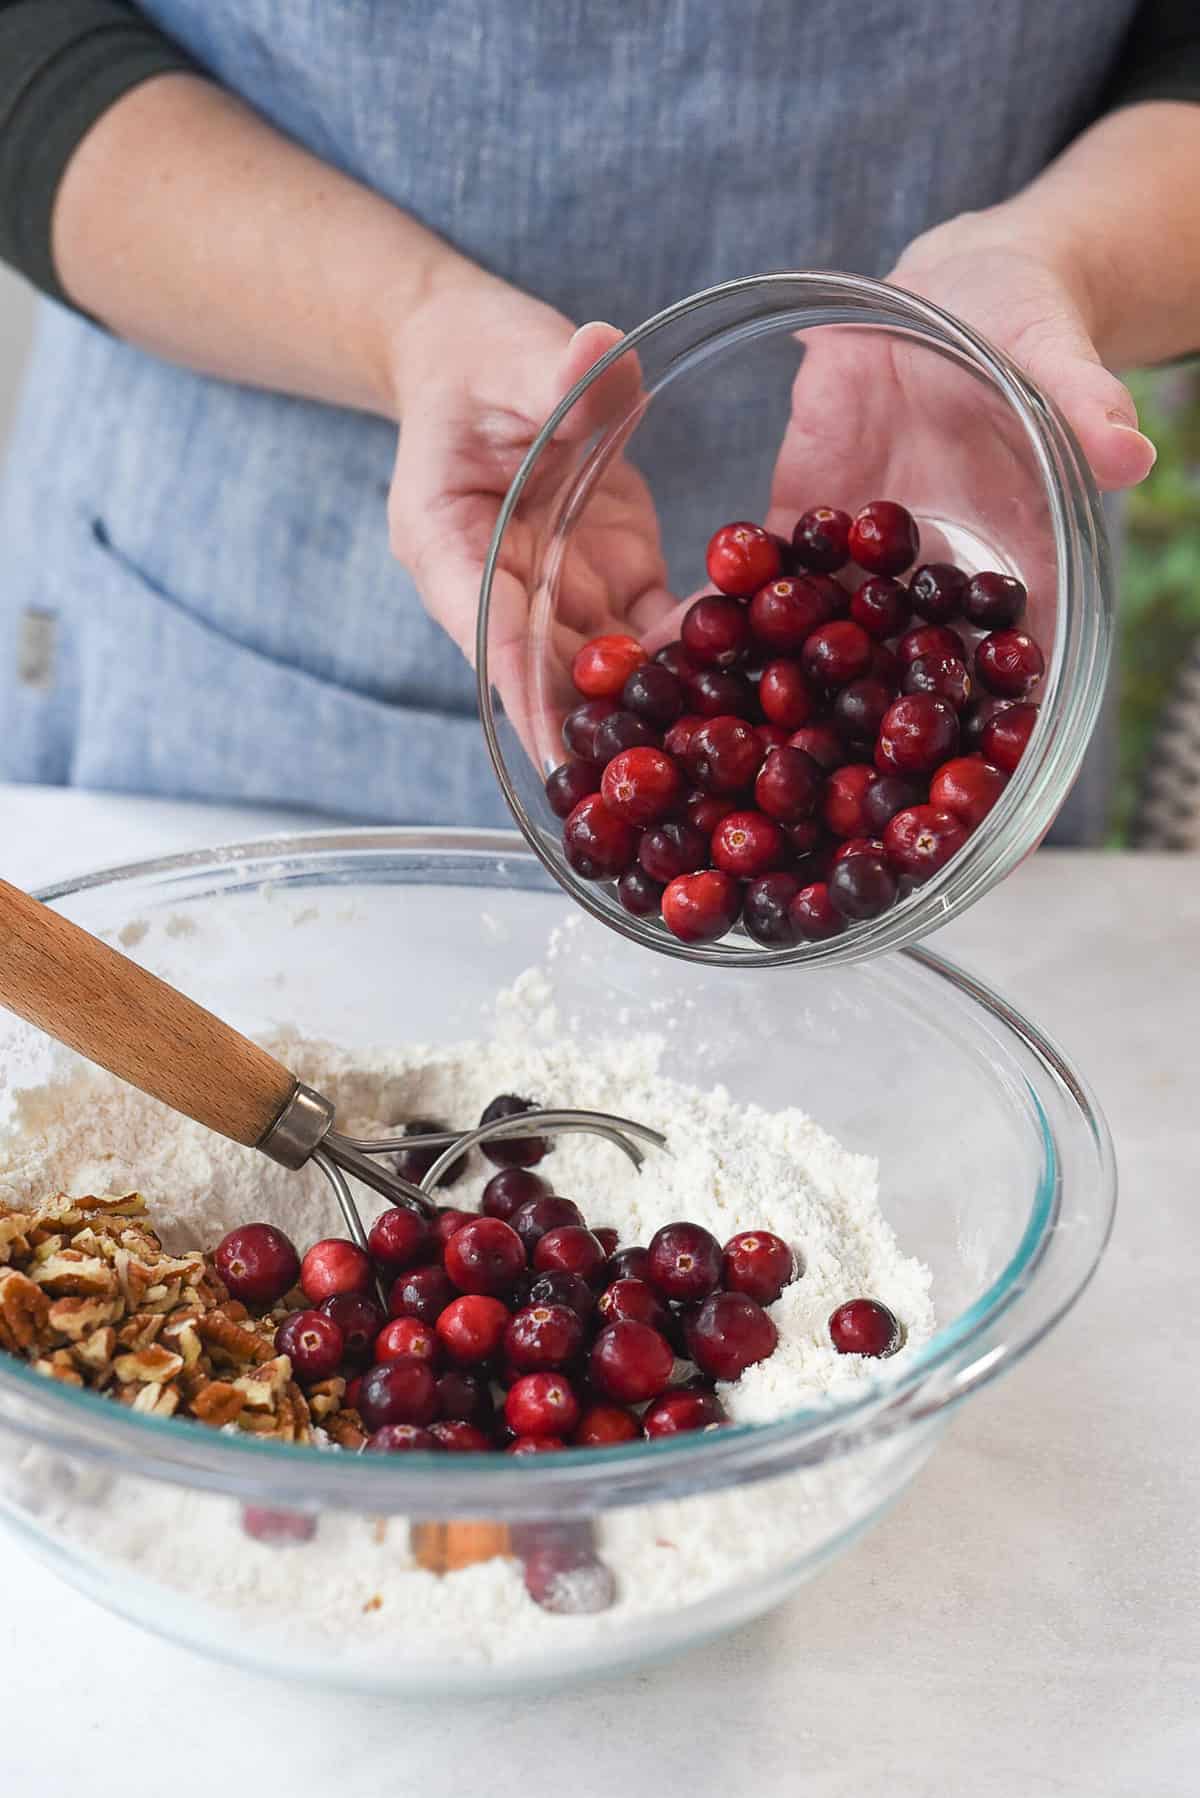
[{"x": 196, "y": 594}]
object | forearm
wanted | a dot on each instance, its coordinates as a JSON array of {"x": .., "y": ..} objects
[{"x": 189, "y": 226}]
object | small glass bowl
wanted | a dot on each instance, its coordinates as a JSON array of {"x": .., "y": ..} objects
[{"x": 902, "y": 401}]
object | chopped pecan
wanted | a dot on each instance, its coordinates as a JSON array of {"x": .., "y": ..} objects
[
  {"x": 14, "y": 1234},
  {"x": 326, "y": 1397},
  {"x": 58, "y": 1366},
  {"x": 228, "y": 1342},
  {"x": 95, "y": 1354},
  {"x": 157, "y": 1401},
  {"x": 217, "y": 1403},
  {"x": 149, "y": 1366},
  {"x": 130, "y": 1204},
  {"x": 140, "y": 1330},
  {"x": 78, "y": 1318},
  {"x": 69, "y": 1274},
  {"x": 266, "y": 1385},
  {"x": 24, "y": 1310},
  {"x": 346, "y": 1428}
]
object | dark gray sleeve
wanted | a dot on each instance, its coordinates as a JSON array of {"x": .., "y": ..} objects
[{"x": 1160, "y": 58}]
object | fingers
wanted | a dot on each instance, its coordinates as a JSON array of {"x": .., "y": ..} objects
[
  {"x": 616, "y": 392},
  {"x": 1060, "y": 358}
]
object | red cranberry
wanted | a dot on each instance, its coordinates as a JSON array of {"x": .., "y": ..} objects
[
  {"x": 634, "y": 1301},
  {"x": 581, "y": 725},
  {"x": 772, "y": 736},
  {"x": 602, "y": 667},
  {"x": 598, "y": 845},
  {"x": 640, "y": 896},
  {"x": 680, "y": 735},
  {"x": 706, "y": 813},
  {"x": 685, "y": 1262},
  {"x": 814, "y": 915},
  {"x": 881, "y": 606},
  {"x": 334, "y": 1265},
  {"x": 627, "y": 1264},
  {"x": 535, "y": 1445},
  {"x": 258, "y": 1264},
  {"x": 543, "y": 1337},
  {"x": 511, "y": 1187},
  {"x": 471, "y": 1328},
  {"x": 741, "y": 558},
  {"x": 887, "y": 795},
  {"x": 724, "y": 755},
  {"x": 766, "y": 912},
  {"x": 937, "y": 590},
  {"x": 623, "y": 730},
  {"x": 413, "y": 1164},
  {"x": 856, "y": 846},
  {"x": 728, "y": 1333},
  {"x": 458, "y": 1438},
  {"x": 352, "y": 1391},
  {"x": 277, "y": 1528},
  {"x": 422, "y": 1292},
  {"x": 486, "y": 1255},
  {"x": 844, "y": 800},
  {"x": 399, "y": 1238},
  {"x": 716, "y": 631},
  {"x": 557, "y": 1288},
  {"x": 407, "y": 1339},
  {"x": 532, "y": 1219},
  {"x": 631, "y": 1362},
  {"x": 464, "y": 1398},
  {"x": 758, "y": 1264},
  {"x": 789, "y": 785},
  {"x": 313, "y": 1344},
  {"x": 700, "y": 908},
  {"x": 567, "y": 1582},
  {"x": 931, "y": 640},
  {"x": 641, "y": 785},
  {"x": 968, "y": 787},
  {"x": 994, "y": 601},
  {"x": 784, "y": 695},
  {"x": 359, "y": 1319},
  {"x": 671, "y": 849},
  {"x": 837, "y": 653},
  {"x": 864, "y": 1327},
  {"x": 652, "y": 692},
  {"x": 447, "y": 1220},
  {"x": 784, "y": 613},
  {"x": 822, "y": 742},
  {"x": 746, "y": 844},
  {"x": 917, "y": 733},
  {"x": 859, "y": 707},
  {"x": 607, "y": 1238},
  {"x": 922, "y": 839},
  {"x": 541, "y": 1404},
  {"x": 678, "y": 1411},
  {"x": 821, "y": 539},
  {"x": 1005, "y": 735},
  {"x": 862, "y": 886},
  {"x": 401, "y": 1439},
  {"x": 512, "y": 1151},
  {"x": 884, "y": 538},
  {"x": 398, "y": 1392},
  {"x": 568, "y": 784},
  {"x": 1009, "y": 663},
  {"x": 886, "y": 666},
  {"x": 945, "y": 676},
  {"x": 569, "y": 1249},
  {"x": 675, "y": 657},
  {"x": 721, "y": 693},
  {"x": 603, "y": 1426}
]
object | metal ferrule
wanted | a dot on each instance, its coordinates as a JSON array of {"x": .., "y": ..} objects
[{"x": 300, "y": 1128}]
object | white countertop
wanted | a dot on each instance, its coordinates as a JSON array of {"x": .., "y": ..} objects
[{"x": 1024, "y": 1623}]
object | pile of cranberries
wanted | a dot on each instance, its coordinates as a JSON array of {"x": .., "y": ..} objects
[
  {"x": 520, "y": 1329},
  {"x": 811, "y": 748}
]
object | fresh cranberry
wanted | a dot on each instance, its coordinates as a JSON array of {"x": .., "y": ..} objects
[
  {"x": 814, "y": 915},
  {"x": 675, "y": 658},
  {"x": 937, "y": 591},
  {"x": 706, "y": 813},
  {"x": 512, "y": 1151},
  {"x": 724, "y": 755},
  {"x": 558, "y": 1288},
  {"x": 257, "y": 1263},
  {"x": 671, "y": 849},
  {"x": 886, "y": 666},
  {"x": 784, "y": 694},
  {"x": 862, "y": 886},
  {"x": 887, "y": 795},
  {"x": 277, "y": 1528},
  {"x": 511, "y": 1187},
  {"x": 640, "y": 896},
  {"x": 567, "y": 1582},
  {"x": 313, "y": 1344},
  {"x": 746, "y": 844},
  {"x": 789, "y": 785},
  {"x": 759, "y": 1264},
  {"x": 607, "y": 1237},
  {"x": 485, "y": 1256},
  {"x": 784, "y": 613},
  {"x": 968, "y": 787},
  {"x": 679, "y": 736},
  {"x": 623, "y": 730},
  {"x": 881, "y": 606},
  {"x": 728, "y": 1333},
  {"x": 822, "y": 742},
  {"x": 700, "y": 908},
  {"x": 458, "y": 1438},
  {"x": 844, "y": 801},
  {"x": 447, "y": 1220},
  {"x": 741, "y": 558},
  {"x": 884, "y": 538},
  {"x": 598, "y": 845},
  {"x": 569, "y": 1249},
  {"x": 772, "y": 736},
  {"x": 864, "y": 1327},
  {"x": 859, "y": 707},
  {"x": 541, "y": 1404},
  {"x": 766, "y": 912},
  {"x": 402, "y": 1439},
  {"x": 931, "y": 640},
  {"x": 994, "y": 601},
  {"x": 634, "y": 1301},
  {"x": 1005, "y": 735},
  {"x": 407, "y": 1339},
  {"x": 543, "y": 1337},
  {"x": 627, "y": 1264},
  {"x": 631, "y": 1362},
  {"x": 464, "y": 1398},
  {"x": 568, "y": 784},
  {"x": 821, "y": 539},
  {"x": 716, "y": 631},
  {"x": 602, "y": 667},
  {"x": 532, "y": 1219},
  {"x": 359, "y": 1319},
  {"x": 922, "y": 839},
  {"x": 641, "y": 786},
  {"x": 678, "y": 1411},
  {"x": 399, "y": 1238},
  {"x": 837, "y": 653},
  {"x": 581, "y": 725},
  {"x": 471, "y": 1328},
  {"x": 334, "y": 1265},
  {"x": 422, "y": 1292},
  {"x": 976, "y": 718},
  {"x": 535, "y": 1445},
  {"x": 398, "y": 1392},
  {"x": 722, "y": 693},
  {"x": 945, "y": 676},
  {"x": 1009, "y": 663},
  {"x": 652, "y": 692},
  {"x": 350, "y": 1402},
  {"x": 685, "y": 1262},
  {"x": 603, "y": 1426},
  {"x": 856, "y": 846},
  {"x": 917, "y": 733}
]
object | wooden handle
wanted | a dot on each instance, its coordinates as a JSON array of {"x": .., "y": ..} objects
[{"x": 79, "y": 991}]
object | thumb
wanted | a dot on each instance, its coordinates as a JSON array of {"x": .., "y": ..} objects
[
  {"x": 1098, "y": 407},
  {"x": 615, "y": 391}
]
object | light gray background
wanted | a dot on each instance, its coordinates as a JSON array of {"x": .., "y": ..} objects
[{"x": 16, "y": 314}]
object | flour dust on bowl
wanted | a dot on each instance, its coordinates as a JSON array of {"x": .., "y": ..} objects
[{"x": 404, "y": 972}]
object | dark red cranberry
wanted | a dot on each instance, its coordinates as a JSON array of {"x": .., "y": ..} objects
[
  {"x": 402, "y": 1438},
  {"x": 789, "y": 785},
  {"x": 541, "y": 1404},
  {"x": 766, "y": 911},
  {"x": 640, "y": 896},
  {"x": 884, "y": 538},
  {"x": 464, "y": 1398},
  {"x": 864, "y": 1327},
  {"x": 814, "y": 915},
  {"x": 784, "y": 695},
  {"x": 821, "y": 539},
  {"x": 759, "y": 1264},
  {"x": 511, "y": 1187},
  {"x": 789, "y": 561},
  {"x": 398, "y": 1392},
  {"x": 1005, "y": 735},
  {"x": 706, "y": 813},
  {"x": 399, "y": 1238},
  {"x": 559, "y": 1288},
  {"x": 716, "y": 631},
  {"x": 623, "y": 730},
  {"x": 334, "y": 1265},
  {"x": 422, "y": 1292},
  {"x": 837, "y": 653},
  {"x": 642, "y": 786},
  {"x": 700, "y": 908},
  {"x": 784, "y": 613},
  {"x": 257, "y": 1263},
  {"x": 822, "y": 742},
  {"x": 917, "y": 733},
  {"x": 607, "y": 1237},
  {"x": 675, "y": 658},
  {"x": 655, "y": 694},
  {"x": 1009, "y": 663},
  {"x": 351, "y": 1399},
  {"x": 936, "y": 591},
  {"x": 772, "y": 736},
  {"x": 680, "y": 735},
  {"x": 277, "y": 1528},
  {"x": 862, "y": 886},
  {"x": 724, "y": 755},
  {"x": 543, "y": 1337},
  {"x": 407, "y": 1339},
  {"x": 994, "y": 601},
  {"x": 631, "y": 1362},
  {"x": 458, "y": 1438},
  {"x": 922, "y": 839},
  {"x": 513, "y": 1151},
  {"x": 887, "y": 795},
  {"x": 598, "y": 845},
  {"x": 886, "y": 666},
  {"x": 678, "y": 1411},
  {"x": 532, "y": 1220},
  {"x": 569, "y": 783},
  {"x": 471, "y": 1328},
  {"x": 976, "y": 718},
  {"x": 746, "y": 844},
  {"x": 313, "y": 1344},
  {"x": 671, "y": 849},
  {"x": 535, "y": 1445},
  {"x": 859, "y": 707},
  {"x": 685, "y": 1262},
  {"x": 569, "y": 1249},
  {"x": 603, "y": 1426},
  {"x": 568, "y": 1582},
  {"x": 486, "y": 1255},
  {"x": 881, "y": 606},
  {"x": 721, "y": 693},
  {"x": 447, "y": 1220},
  {"x": 634, "y": 1301},
  {"x": 945, "y": 676},
  {"x": 627, "y": 1264},
  {"x": 602, "y": 667},
  {"x": 931, "y": 640},
  {"x": 806, "y": 836},
  {"x": 844, "y": 799},
  {"x": 728, "y": 1333},
  {"x": 968, "y": 787},
  {"x": 742, "y": 558},
  {"x": 360, "y": 1320},
  {"x": 581, "y": 725}
]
